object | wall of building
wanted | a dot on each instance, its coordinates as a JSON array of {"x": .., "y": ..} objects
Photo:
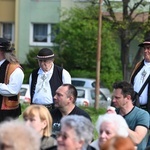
[
  {"x": 7, "y": 10},
  {"x": 34, "y": 11}
]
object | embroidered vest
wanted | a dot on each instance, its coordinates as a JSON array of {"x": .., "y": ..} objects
[{"x": 12, "y": 102}]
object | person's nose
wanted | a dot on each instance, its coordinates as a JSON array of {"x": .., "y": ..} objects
[
  {"x": 27, "y": 122},
  {"x": 103, "y": 135},
  {"x": 113, "y": 99},
  {"x": 55, "y": 97}
]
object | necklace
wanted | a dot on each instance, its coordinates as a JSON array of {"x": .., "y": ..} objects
[{"x": 143, "y": 75}]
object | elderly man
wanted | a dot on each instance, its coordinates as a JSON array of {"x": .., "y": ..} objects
[
  {"x": 46, "y": 79},
  {"x": 65, "y": 99},
  {"x": 140, "y": 74}
]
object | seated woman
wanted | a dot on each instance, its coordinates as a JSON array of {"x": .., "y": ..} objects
[
  {"x": 38, "y": 117},
  {"x": 108, "y": 126},
  {"x": 76, "y": 133}
]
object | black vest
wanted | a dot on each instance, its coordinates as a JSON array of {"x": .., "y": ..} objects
[
  {"x": 148, "y": 93},
  {"x": 55, "y": 81},
  {"x": 2, "y": 76}
]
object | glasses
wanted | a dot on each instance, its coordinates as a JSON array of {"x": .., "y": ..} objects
[{"x": 64, "y": 136}]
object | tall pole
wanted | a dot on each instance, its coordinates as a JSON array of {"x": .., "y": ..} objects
[{"x": 98, "y": 59}]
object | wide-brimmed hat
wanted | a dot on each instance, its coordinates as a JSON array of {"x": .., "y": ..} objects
[
  {"x": 5, "y": 45},
  {"x": 45, "y": 53},
  {"x": 146, "y": 42}
]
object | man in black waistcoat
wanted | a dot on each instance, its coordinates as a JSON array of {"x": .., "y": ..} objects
[
  {"x": 140, "y": 74},
  {"x": 46, "y": 79},
  {"x": 11, "y": 78}
]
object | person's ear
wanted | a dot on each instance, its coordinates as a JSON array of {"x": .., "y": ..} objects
[
  {"x": 71, "y": 98},
  {"x": 44, "y": 124},
  {"x": 80, "y": 144}
]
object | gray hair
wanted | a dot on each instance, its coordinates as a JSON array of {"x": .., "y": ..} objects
[
  {"x": 82, "y": 126},
  {"x": 17, "y": 136},
  {"x": 10, "y": 56},
  {"x": 117, "y": 120}
]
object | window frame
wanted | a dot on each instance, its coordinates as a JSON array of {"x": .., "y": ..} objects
[
  {"x": 12, "y": 30},
  {"x": 49, "y": 29}
]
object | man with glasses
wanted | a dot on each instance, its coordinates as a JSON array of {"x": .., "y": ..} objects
[{"x": 46, "y": 79}]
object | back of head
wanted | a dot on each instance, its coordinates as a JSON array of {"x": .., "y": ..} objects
[
  {"x": 15, "y": 135},
  {"x": 8, "y": 50},
  {"x": 43, "y": 113},
  {"x": 117, "y": 120},
  {"x": 82, "y": 126},
  {"x": 118, "y": 143}
]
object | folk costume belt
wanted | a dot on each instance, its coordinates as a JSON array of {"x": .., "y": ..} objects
[{"x": 48, "y": 106}]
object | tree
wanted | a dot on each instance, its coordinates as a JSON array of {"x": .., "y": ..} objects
[
  {"x": 133, "y": 23},
  {"x": 77, "y": 48}
]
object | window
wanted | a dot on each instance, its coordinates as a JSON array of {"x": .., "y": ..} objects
[
  {"x": 8, "y": 31},
  {"x": 42, "y": 34}
]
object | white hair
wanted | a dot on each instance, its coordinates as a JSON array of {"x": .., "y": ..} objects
[
  {"x": 82, "y": 126},
  {"x": 117, "y": 120},
  {"x": 17, "y": 136}
]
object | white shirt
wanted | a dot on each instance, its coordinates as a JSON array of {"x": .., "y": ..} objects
[
  {"x": 14, "y": 85},
  {"x": 139, "y": 80},
  {"x": 43, "y": 94}
]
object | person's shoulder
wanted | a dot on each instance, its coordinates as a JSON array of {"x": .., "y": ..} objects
[
  {"x": 90, "y": 148},
  {"x": 80, "y": 111},
  {"x": 55, "y": 110},
  {"x": 140, "y": 110},
  {"x": 95, "y": 144},
  {"x": 52, "y": 148},
  {"x": 50, "y": 140},
  {"x": 35, "y": 70},
  {"x": 58, "y": 67}
]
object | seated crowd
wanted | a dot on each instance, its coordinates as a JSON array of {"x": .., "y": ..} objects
[{"x": 75, "y": 130}]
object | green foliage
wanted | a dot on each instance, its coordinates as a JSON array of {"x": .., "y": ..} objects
[
  {"x": 30, "y": 64},
  {"x": 77, "y": 48}
]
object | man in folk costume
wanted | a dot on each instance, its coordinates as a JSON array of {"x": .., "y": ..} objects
[
  {"x": 11, "y": 78},
  {"x": 140, "y": 73},
  {"x": 45, "y": 80}
]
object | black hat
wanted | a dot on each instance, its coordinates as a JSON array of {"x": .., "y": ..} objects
[
  {"x": 5, "y": 45},
  {"x": 45, "y": 53},
  {"x": 146, "y": 42}
]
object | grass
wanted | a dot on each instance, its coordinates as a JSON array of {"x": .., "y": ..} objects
[{"x": 94, "y": 113}]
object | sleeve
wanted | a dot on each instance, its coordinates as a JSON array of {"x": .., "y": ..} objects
[
  {"x": 144, "y": 119},
  {"x": 15, "y": 82},
  {"x": 66, "y": 78}
]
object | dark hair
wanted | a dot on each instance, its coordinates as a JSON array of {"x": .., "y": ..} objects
[
  {"x": 127, "y": 88},
  {"x": 71, "y": 91}
]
